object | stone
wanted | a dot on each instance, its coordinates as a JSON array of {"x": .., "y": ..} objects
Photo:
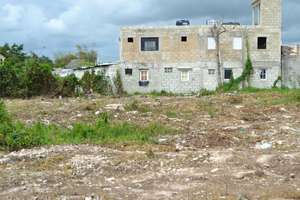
[
  {"x": 114, "y": 107},
  {"x": 244, "y": 174},
  {"x": 264, "y": 145}
]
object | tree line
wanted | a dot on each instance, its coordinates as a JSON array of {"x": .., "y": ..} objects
[{"x": 25, "y": 75}]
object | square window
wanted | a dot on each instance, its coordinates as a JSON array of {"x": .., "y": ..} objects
[
  {"x": 237, "y": 43},
  {"x": 185, "y": 76},
  {"x": 130, "y": 40},
  {"x": 168, "y": 70},
  {"x": 144, "y": 75},
  {"x": 150, "y": 44},
  {"x": 263, "y": 74},
  {"x": 184, "y": 39},
  {"x": 211, "y": 71},
  {"x": 211, "y": 43},
  {"x": 228, "y": 74},
  {"x": 262, "y": 43},
  {"x": 128, "y": 72}
]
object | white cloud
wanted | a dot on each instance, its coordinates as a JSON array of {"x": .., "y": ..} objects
[
  {"x": 56, "y": 25},
  {"x": 52, "y": 26}
]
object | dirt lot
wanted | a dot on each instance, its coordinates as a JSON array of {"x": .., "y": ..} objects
[{"x": 228, "y": 146}]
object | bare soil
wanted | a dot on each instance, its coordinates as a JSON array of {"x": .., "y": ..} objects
[{"x": 229, "y": 146}]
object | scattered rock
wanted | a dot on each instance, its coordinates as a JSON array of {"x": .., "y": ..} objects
[
  {"x": 264, "y": 160},
  {"x": 292, "y": 176},
  {"x": 114, "y": 107},
  {"x": 243, "y": 197},
  {"x": 244, "y": 174},
  {"x": 264, "y": 145}
]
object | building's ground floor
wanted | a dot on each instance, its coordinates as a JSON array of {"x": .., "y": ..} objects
[{"x": 192, "y": 77}]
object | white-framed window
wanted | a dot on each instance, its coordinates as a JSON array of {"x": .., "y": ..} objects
[
  {"x": 168, "y": 70},
  {"x": 211, "y": 43},
  {"x": 256, "y": 15},
  {"x": 263, "y": 74},
  {"x": 144, "y": 75},
  {"x": 211, "y": 71},
  {"x": 185, "y": 75},
  {"x": 237, "y": 43}
]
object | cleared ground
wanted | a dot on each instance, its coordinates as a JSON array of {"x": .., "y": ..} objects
[{"x": 227, "y": 146}]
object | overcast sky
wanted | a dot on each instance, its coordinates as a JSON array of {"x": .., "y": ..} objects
[{"x": 52, "y": 26}]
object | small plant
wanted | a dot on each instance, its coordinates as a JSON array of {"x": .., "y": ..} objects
[
  {"x": 208, "y": 107},
  {"x": 4, "y": 116},
  {"x": 135, "y": 106},
  {"x": 171, "y": 114},
  {"x": 205, "y": 92},
  {"x": 150, "y": 154},
  {"x": 118, "y": 84},
  {"x": 105, "y": 117},
  {"x": 132, "y": 106},
  {"x": 235, "y": 99},
  {"x": 279, "y": 79},
  {"x": 162, "y": 93}
]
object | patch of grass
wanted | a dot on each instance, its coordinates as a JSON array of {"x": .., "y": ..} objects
[
  {"x": 235, "y": 99},
  {"x": 208, "y": 107},
  {"x": 135, "y": 106},
  {"x": 162, "y": 93},
  {"x": 205, "y": 92},
  {"x": 171, "y": 114},
  {"x": 47, "y": 164},
  {"x": 16, "y": 136},
  {"x": 275, "y": 96}
]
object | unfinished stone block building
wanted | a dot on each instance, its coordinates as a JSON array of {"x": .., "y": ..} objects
[{"x": 185, "y": 59}]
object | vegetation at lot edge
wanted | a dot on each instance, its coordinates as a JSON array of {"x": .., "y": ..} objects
[
  {"x": 15, "y": 135},
  {"x": 30, "y": 75}
]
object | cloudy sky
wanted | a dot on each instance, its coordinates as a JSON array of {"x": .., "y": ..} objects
[{"x": 53, "y": 26}]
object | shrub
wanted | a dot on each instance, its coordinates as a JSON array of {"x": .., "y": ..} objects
[
  {"x": 118, "y": 84},
  {"x": 37, "y": 78},
  {"x": 67, "y": 86},
  {"x": 4, "y": 116},
  {"x": 162, "y": 93},
  {"x": 205, "y": 92}
]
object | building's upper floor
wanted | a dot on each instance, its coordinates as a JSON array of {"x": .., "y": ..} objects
[{"x": 197, "y": 43}]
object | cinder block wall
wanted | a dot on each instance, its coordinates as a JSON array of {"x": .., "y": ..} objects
[{"x": 195, "y": 55}]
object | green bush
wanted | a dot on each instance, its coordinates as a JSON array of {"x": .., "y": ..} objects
[
  {"x": 118, "y": 84},
  {"x": 205, "y": 92},
  {"x": 92, "y": 82},
  {"x": 37, "y": 78},
  {"x": 67, "y": 86},
  {"x": 162, "y": 93}
]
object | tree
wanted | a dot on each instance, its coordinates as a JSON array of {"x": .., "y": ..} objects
[
  {"x": 89, "y": 56},
  {"x": 217, "y": 30},
  {"x": 61, "y": 60},
  {"x": 82, "y": 53}
]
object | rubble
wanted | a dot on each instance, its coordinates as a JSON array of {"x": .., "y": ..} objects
[{"x": 218, "y": 151}]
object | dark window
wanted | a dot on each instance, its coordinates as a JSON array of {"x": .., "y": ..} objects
[
  {"x": 183, "y": 39},
  {"x": 168, "y": 70},
  {"x": 228, "y": 74},
  {"x": 150, "y": 44},
  {"x": 262, "y": 43},
  {"x": 211, "y": 71},
  {"x": 263, "y": 74},
  {"x": 130, "y": 40},
  {"x": 128, "y": 72}
]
